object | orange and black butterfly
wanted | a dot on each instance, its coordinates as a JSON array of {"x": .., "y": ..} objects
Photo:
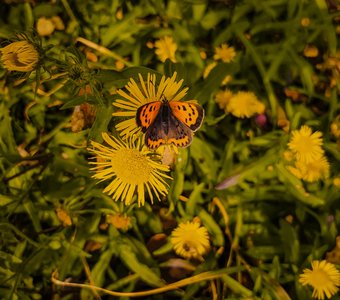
[{"x": 169, "y": 122}]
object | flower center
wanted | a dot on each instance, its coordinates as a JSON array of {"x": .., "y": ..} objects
[
  {"x": 131, "y": 166},
  {"x": 305, "y": 144},
  {"x": 319, "y": 278}
]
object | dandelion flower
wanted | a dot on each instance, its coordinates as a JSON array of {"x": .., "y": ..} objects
[
  {"x": 222, "y": 98},
  {"x": 19, "y": 56},
  {"x": 306, "y": 145},
  {"x": 313, "y": 170},
  {"x": 225, "y": 53},
  {"x": 166, "y": 48},
  {"x": 142, "y": 93},
  {"x": 190, "y": 240},
  {"x": 324, "y": 278},
  {"x": 130, "y": 169},
  {"x": 244, "y": 105}
]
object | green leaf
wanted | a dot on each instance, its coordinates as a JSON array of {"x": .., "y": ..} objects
[{"x": 129, "y": 258}]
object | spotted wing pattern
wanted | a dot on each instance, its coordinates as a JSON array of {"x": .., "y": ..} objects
[
  {"x": 190, "y": 114},
  {"x": 147, "y": 114},
  {"x": 169, "y": 131}
]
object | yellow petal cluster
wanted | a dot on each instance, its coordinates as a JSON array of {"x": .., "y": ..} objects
[
  {"x": 190, "y": 240},
  {"x": 19, "y": 56},
  {"x": 323, "y": 277},
  {"x": 309, "y": 162}
]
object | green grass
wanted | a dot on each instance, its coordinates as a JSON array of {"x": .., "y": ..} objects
[{"x": 276, "y": 223}]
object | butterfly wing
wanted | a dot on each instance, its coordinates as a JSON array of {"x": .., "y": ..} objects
[
  {"x": 167, "y": 129},
  {"x": 190, "y": 114},
  {"x": 147, "y": 114},
  {"x": 179, "y": 134}
]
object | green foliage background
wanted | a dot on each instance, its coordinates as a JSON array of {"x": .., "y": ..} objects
[{"x": 55, "y": 173}]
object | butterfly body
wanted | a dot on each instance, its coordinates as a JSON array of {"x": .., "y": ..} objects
[{"x": 169, "y": 122}]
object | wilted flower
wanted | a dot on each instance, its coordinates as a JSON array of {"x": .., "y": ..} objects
[{"x": 19, "y": 56}]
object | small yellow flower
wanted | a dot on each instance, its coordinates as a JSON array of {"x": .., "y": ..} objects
[
  {"x": 225, "y": 53},
  {"x": 119, "y": 221},
  {"x": 19, "y": 56},
  {"x": 244, "y": 105},
  {"x": 222, "y": 98},
  {"x": 310, "y": 51},
  {"x": 203, "y": 54},
  {"x": 130, "y": 169},
  {"x": 190, "y": 240},
  {"x": 45, "y": 26},
  {"x": 305, "y": 22},
  {"x": 314, "y": 170},
  {"x": 311, "y": 171},
  {"x": 306, "y": 145},
  {"x": 166, "y": 48},
  {"x": 324, "y": 278},
  {"x": 142, "y": 93},
  {"x": 336, "y": 181}
]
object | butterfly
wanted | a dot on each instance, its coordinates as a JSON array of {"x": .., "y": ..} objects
[{"x": 169, "y": 122}]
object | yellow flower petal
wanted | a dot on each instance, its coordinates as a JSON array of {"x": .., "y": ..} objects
[{"x": 129, "y": 167}]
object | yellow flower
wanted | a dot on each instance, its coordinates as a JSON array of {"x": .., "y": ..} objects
[
  {"x": 19, "y": 56},
  {"x": 311, "y": 171},
  {"x": 222, "y": 98},
  {"x": 314, "y": 170},
  {"x": 166, "y": 48},
  {"x": 336, "y": 181},
  {"x": 324, "y": 278},
  {"x": 142, "y": 93},
  {"x": 306, "y": 145},
  {"x": 244, "y": 105},
  {"x": 190, "y": 240},
  {"x": 130, "y": 168},
  {"x": 310, "y": 51},
  {"x": 305, "y": 22},
  {"x": 45, "y": 26},
  {"x": 225, "y": 53},
  {"x": 119, "y": 221}
]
